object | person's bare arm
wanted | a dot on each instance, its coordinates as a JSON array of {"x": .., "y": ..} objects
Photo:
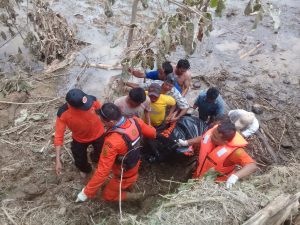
[
  {"x": 182, "y": 113},
  {"x": 147, "y": 117},
  {"x": 136, "y": 73},
  {"x": 60, "y": 127},
  {"x": 171, "y": 114},
  {"x": 195, "y": 140},
  {"x": 246, "y": 170},
  {"x": 58, "y": 165}
]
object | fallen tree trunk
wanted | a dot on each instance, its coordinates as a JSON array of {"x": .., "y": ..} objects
[
  {"x": 277, "y": 211},
  {"x": 105, "y": 66}
]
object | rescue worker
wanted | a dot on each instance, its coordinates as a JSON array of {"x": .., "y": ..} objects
[
  {"x": 79, "y": 115},
  {"x": 120, "y": 153},
  {"x": 222, "y": 149}
]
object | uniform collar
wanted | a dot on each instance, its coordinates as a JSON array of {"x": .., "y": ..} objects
[{"x": 120, "y": 122}]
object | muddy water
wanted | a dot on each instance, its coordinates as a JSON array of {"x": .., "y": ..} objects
[
  {"x": 82, "y": 16},
  {"x": 274, "y": 65},
  {"x": 271, "y": 65},
  {"x": 278, "y": 56},
  {"x": 93, "y": 27}
]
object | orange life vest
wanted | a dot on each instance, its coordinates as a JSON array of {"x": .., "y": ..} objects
[
  {"x": 132, "y": 138},
  {"x": 214, "y": 157}
]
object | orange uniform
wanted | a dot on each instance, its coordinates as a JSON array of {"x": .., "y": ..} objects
[
  {"x": 222, "y": 158},
  {"x": 86, "y": 126},
  {"x": 115, "y": 145}
]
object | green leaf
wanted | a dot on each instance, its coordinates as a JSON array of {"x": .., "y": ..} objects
[
  {"x": 220, "y": 7},
  {"x": 249, "y": 8},
  {"x": 213, "y": 3},
  {"x": 257, "y": 6},
  {"x": 208, "y": 16}
]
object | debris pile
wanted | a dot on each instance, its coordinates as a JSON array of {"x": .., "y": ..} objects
[
  {"x": 205, "y": 202},
  {"x": 52, "y": 37}
]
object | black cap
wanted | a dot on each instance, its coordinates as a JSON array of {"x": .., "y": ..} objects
[
  {"x": 171, "y": 79},
  {"x": 79, "y": 100}
]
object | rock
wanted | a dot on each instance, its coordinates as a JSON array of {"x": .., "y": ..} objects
[
  {"x": 272, "y": 75},
  {"x": 298, "y": 115},
  {"x": 286, "y": 143},
  {"x": 53, "y": 179},
  {"x": 257, "y": 109},
  {"x": 78, "y": 16},
  {"x": 286, "y": 82},
  {"x": 14, "y": 97},
  {"x": 17, "y": 97},
  {"x": 197, "y": 84},
  {"x": 249, "y": 96},
  {"x": 16, "y": 194},
  {"x": 3, "y": 118},
  {"x": 62, "y": 211},
  {"x": 32, "y": 191},
  {"x": 297, "y": 124}
]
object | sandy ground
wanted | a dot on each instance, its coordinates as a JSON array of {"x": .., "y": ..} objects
[{"x": 30, "y": 193}]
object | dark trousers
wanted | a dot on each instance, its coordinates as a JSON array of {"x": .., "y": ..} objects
[{"x": 79, "y": 151}]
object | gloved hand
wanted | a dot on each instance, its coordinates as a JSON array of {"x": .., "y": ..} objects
[
  {"x": 81, "y": 197},
  {"x": 231, "y": 181},
  {"x": 182, "y": 143}
]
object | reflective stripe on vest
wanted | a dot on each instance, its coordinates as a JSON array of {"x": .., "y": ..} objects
[{"x": 214, "y": 157}]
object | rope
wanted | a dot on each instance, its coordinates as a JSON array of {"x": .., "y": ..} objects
[
  {"x": 30, "y": 103},
  {"x": 121, "y": 179}
]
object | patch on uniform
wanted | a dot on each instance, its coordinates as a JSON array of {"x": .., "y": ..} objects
[
  {"x": 106, "y": 147},
  {"x": 239, "y": 152},
  {"x": 134, "y": 132},
  {"x": 104, "y": 151},
  {"x": 108, "y": 144},
  {"x": 205, "y": 139},
  {"x": 221, "y": 152}
]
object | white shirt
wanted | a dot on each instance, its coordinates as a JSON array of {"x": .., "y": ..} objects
[
  {"x": 248, "y": 131},
  {"x": 130, "y": 112}
]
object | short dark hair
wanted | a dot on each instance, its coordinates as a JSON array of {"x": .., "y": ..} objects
[
  {"x": 221, "y": 118},
  {"x": 170, "y": 79},
  {"x": 227, "y": 129},
  {"x": 212, "y": 93},
  {"x": 137, "y": 95},
  {"x": 167, "y": 67},
  {"x": 184, "y": 64},
  {"x": 109, "y": 111}
]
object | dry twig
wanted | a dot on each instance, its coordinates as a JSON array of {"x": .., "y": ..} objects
[
  {"x": 30, "y": 103},
  {"x": 8, "y": 216}
]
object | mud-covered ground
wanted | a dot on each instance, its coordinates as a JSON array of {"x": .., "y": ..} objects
[{"x": 268, "y": 76}]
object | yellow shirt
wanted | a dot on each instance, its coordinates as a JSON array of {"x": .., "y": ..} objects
[{"x": 158, "y": 109}]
